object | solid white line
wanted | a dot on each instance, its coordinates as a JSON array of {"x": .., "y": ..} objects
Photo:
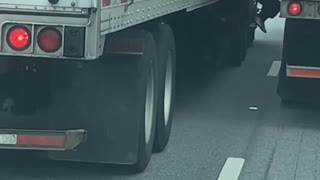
[
  {"x": 231, "y": 169},
  {"x": 274, "y": 69}
]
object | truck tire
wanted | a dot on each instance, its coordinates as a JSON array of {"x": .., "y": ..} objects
[
  {"x": 253, "y": 10},
  {"x": 237, "y": 24},
  {"x": 251, "y": 35},
  {"x": 149, "y": 67},
  {"x": 148, "y": 123},
  {"x": 167, "y": 68},
  {"x": 238, "y": 47},
  {"x": 114, "y": 98}
]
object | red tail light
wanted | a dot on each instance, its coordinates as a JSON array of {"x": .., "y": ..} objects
[
  {"x": 49, "y": 40},
  {"x": 294, "y": 8},
  {"x": 19, "y": 38}
]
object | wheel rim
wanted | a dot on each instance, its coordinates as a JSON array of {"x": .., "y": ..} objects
[
  {"x": 168, "y": 88},
  {"x": 149, "y": 105}
]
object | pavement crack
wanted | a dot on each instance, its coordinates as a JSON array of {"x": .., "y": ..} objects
[
  {"x": 281, "y": 128},
  {"x": 298, "y": 156},
  {"x": 317, "y": 160},
  {"x": 266, "y": 174}
]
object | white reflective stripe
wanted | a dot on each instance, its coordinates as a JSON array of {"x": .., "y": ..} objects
[{"x": 8, "y": 139}]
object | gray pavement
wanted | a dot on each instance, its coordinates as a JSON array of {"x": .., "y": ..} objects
[{"x": 213, "y": 121}]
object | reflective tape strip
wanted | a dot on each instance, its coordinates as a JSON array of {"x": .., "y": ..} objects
[
  {"x": 8, "y": 139},
  {"x": 303, "y": 71},
  {"x": 32, "y": 140},
  {"x": 41, "y": 139}
]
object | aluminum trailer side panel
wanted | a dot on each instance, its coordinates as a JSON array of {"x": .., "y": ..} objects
[
  {"x": 64, "y": 3},
  {"x": 118, "y": 16},
  {"x": 115, "y": 15},
  {"x": 102, "y": 17}
]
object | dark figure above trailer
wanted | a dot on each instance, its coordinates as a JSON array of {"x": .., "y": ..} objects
[{"x": 270, "y": 8}]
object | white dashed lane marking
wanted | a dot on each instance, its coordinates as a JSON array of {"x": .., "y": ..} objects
[
  {"x": 274, "y": 69},
  {"x": 231, "y": 169}
]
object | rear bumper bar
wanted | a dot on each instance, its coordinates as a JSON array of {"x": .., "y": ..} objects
[
  {"x": 303, "y": 71},
  {"x": 41, "y": 139}
]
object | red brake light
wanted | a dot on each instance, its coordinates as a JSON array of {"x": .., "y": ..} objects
[
  {"x": 49, "y": 39},
  {"x": 294, "y": 9},
  {"x": 19, "y": 38}
]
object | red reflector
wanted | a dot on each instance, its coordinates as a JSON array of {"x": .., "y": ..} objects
[
  {"x": 41, "y": 140},
  {"x": 294, "y": 9},
  {"x": 19, "y": 38},
  {"x": 306, "y": 73},
  {"x": 49, "y": 39}
]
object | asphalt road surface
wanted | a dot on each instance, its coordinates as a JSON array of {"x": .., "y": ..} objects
[{"x": 220, "y": 114}]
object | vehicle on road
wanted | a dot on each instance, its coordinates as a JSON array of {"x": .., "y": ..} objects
[
  {"x": 300, "y": 66},
  {"x": 94, "y": 80}
]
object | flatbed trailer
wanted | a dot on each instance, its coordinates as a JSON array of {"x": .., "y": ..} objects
[{"x": 94, "y": 80}]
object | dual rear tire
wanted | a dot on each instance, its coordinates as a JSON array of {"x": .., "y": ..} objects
[
  {"x": 157, "y": 61},
  {"x": 124, "y": 99},
  {"x": 166, "y": 65},
  {"x": 234, "y": 30}
]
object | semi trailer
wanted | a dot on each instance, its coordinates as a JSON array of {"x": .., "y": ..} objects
[
  {"x": 300, "y": 66},
  {"x": 94, "y": 80}
]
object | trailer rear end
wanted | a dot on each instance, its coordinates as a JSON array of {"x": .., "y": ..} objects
[
  {"x": 300, "y": 69},
  {"x": 94, "y": 81}
]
